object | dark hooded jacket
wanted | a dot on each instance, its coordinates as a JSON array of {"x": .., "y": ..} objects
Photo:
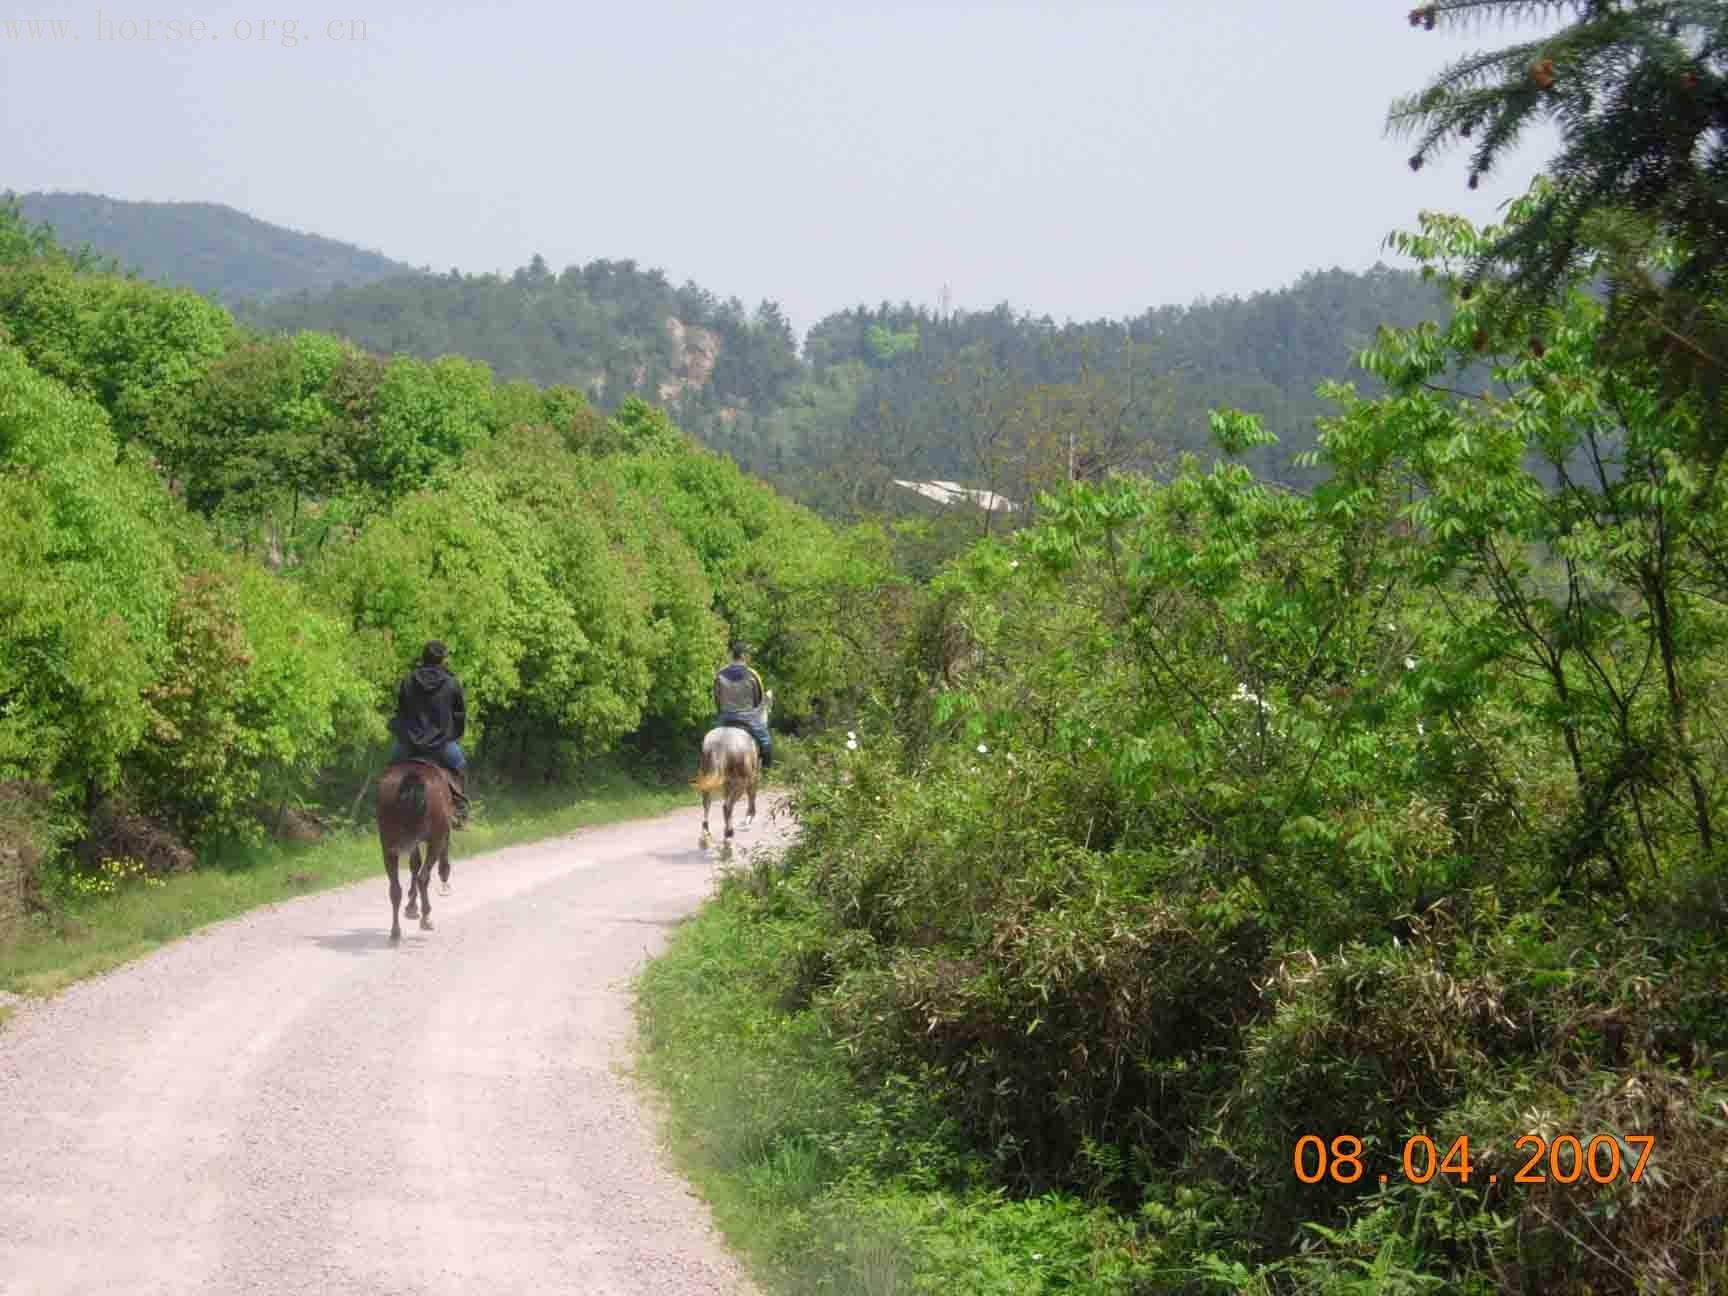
[{"x": 430, "y": 711}]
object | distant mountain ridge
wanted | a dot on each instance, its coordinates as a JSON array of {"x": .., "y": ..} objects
[{"x": 210, "y": 248}]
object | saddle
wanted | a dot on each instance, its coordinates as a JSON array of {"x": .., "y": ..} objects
[
  {"x": 733, "y": 720},
  {"x": 426, "y": 762}
]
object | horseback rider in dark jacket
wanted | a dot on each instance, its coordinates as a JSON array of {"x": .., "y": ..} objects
[
  {"x": 431, "y": 714},
  {"x": 737, "y": 694}
]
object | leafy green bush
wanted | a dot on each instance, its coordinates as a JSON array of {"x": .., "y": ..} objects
[
  {"x": 86, "y": 582},
  {"x": 132, "y": 347},
  {"x": 257, "y": 688}
]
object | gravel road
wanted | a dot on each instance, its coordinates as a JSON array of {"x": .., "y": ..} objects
[{"x": 284, "y": 1103}]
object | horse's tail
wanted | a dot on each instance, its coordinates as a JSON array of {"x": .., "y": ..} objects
[
  {"x": 710, "y": 775},
  {"x": 411, "y": 795}
]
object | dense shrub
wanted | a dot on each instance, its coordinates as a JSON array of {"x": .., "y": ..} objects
[
  {"x": 86, "y": 581},
  {"x": 256, "y": 690},
  {"x": 29, "y": 831},
  {"x": 132, "y": 347},
  {"x": 1070, "y": 1047}
]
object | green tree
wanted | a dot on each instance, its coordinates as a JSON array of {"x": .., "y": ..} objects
[
  {"x": 19, "y": 239},
  {"x": 1584, "y": 503},
  {"x": 1638, "y": 90},
  {"x": 420, "y": 418},
  {"x": 22, "y": 241},
  {"x": 255, "y": 440},
  {"x": 134, "y": 348},
  {"x": 257, "y": 694},
  {"x": 87, "y": 577}
]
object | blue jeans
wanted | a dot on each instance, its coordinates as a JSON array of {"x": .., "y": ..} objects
[
  {"x": 451, "y": 757},
  {"x": 758, "y": 731}
]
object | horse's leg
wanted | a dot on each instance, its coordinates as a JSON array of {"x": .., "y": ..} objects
[
  {"x": 413, "y": 909},
  {"x": 750, "y": 810},
  {"x": 390, "y": 864},
  {"x": 707, "y": 838},
  {"x": 434, "y": 850},
  {"x": 730, "y": 800},
  {"x": 444, "y": 868}
]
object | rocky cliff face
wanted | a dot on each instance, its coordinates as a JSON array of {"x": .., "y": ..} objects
[{"x": 697, "y": 350}]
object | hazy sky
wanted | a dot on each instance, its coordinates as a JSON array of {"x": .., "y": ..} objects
[{"x": 1077, "y": 160}]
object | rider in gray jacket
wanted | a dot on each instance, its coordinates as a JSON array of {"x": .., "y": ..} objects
[{"x": 737, "y": 694}]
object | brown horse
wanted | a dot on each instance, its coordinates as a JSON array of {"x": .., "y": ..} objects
[
  {"x": 730, "y": 760},
  {"x": 414, "y": 808}
]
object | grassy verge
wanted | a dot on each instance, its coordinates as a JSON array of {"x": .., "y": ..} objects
[
  {"x": 85, "y": 938},
  {"x": 820, "y": 1185}
]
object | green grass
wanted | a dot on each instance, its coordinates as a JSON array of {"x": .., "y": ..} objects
[
  {"x": 87, "y": 938},
  {"x": 820, "y": 1185},
  {"x": 746, "y": 1088}
]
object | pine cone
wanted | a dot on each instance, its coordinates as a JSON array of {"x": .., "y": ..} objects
[
  {"x": 1416, "y": 162},
  {"x": 1542, "y": 73},
  {"x": 1537, "y": 349}
]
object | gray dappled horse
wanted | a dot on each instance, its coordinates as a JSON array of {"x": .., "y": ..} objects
[
  {"x": 414, "y": 808},
  {"x": 731, "y": 760}
]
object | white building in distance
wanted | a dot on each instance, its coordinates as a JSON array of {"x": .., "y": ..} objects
[{"x": 947, "y": 492}]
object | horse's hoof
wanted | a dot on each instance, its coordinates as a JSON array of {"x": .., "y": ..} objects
[
  {"x": 425, "y": 924},
  {"x": 412, "y": 911},
  {"x": 395, "y": 935},
  {"x": 443, "y": 888},
  {"x": 748, "y": 820}
]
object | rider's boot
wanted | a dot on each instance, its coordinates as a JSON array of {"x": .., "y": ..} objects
[{"x": 458, "y": 789}]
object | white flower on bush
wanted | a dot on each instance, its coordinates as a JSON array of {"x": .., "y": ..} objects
[
  {"x": 1409, "y": 663},
  {"x": 1014, "y": 566},
  {"x": 983, "y": 750},
  {"x": 851, "y": 743},
  {"x": 1242, "y": 694}
]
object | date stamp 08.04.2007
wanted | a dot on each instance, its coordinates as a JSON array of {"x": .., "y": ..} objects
[{"x": 1566, "y": 1159}]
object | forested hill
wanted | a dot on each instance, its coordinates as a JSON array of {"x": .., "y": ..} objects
[
  {"x": 610, "y": 328},
  {"x": 1015, "y": 402},
  {"x": 996, "y": 398},
  {"x": 207, "y": 247},
  {"x": 891, "y": 391}
]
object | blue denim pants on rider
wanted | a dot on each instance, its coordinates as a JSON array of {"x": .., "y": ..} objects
[{"x": 451, "y": 758}]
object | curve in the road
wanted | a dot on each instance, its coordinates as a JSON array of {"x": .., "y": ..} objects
[{"x": 284, "y": 1103}]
